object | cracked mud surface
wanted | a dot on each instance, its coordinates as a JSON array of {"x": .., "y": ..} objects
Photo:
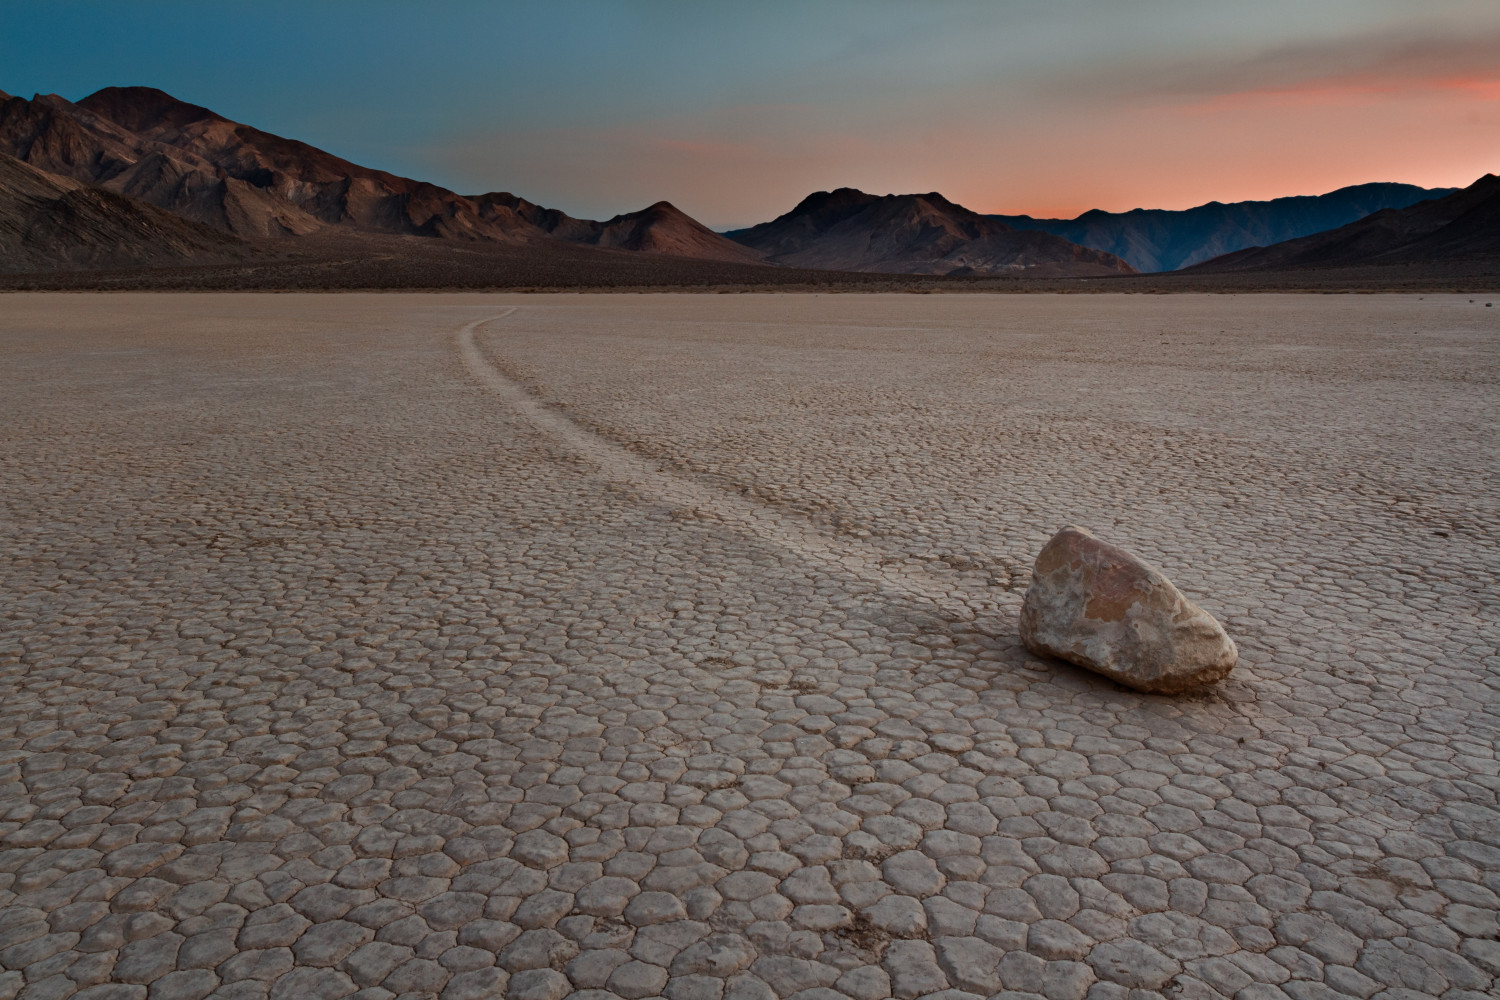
[{"x": 620, "y": 645}]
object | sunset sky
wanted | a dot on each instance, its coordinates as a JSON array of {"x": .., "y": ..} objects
[{"x": 735, "y": 111}]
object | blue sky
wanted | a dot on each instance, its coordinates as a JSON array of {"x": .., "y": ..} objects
[{"x": 734, "y": 111}]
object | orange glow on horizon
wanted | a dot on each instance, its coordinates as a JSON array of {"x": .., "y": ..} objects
[
  {"x": 1436, "y": 125},
  {"x": 1263, "y": 143},
  {"x": 1484, "y": 87}
]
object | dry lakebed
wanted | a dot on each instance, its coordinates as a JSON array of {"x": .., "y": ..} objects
[{"x": 639, "y": 645}]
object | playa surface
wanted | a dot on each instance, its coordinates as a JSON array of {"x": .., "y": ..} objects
[{"x": 665, "y": 645}]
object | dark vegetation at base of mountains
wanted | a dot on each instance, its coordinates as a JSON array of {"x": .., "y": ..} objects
[{"x": 399, "y": 263}]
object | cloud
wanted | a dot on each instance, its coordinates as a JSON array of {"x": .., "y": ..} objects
[{"x": 1370, "y": 67}]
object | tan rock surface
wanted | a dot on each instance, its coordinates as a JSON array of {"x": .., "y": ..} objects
[{"x": 1095, "y": 604}]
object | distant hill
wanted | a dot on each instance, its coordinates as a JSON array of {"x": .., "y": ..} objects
[
  {"x": 850, "y": 230},
  {"x": 1461, "y": 226},
  {"x": 661, "y": 228},
  {"x": 1161, "y": 240},
  {"x": 148, "y": 145},
  {"x": 51, "y": 223}
]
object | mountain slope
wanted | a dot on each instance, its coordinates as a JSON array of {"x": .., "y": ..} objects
[
  {"x": 58, "y": 136},
  {"x": 325, "y": 187},
  {"x": 1163, "y": 240},
  {"x": 850, "y": 230},
  {"x": 1465, "y": 224},
  {"x": 661, "y": 228},
  {"x": 146, "y": 144},
  {"x": 49, "y": 222}
]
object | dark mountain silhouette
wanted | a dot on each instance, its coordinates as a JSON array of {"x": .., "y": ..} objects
[
  {"x": 1161, "y": 240},
  {"x": 148, "y": 145},
  {"x": 1463, "y": 225},
  {"x": 914, "y": 234},
  {"x": 49, "y": 222},
  {"x": 662, "y": 228}
]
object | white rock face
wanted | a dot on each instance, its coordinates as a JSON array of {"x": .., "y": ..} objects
[{"x": 1097, "y": 605}]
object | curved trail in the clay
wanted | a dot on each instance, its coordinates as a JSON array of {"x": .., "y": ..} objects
[{"x": 844, "y": 555}]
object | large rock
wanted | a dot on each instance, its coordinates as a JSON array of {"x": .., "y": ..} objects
[{"x": 1096, "y": 605}]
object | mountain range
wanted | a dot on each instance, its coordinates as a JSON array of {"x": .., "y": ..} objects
[
  {"x": 1465, "y": 224},
  {"x": 849, "y": 230},
  {"x": 149, "y": 146},
  {"x": 145, "y": 144},
  {"x": 1153, "y": 239},
  {"x": 133, "y": 177}
]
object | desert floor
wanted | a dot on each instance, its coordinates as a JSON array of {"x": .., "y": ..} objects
[{"x": 638, "y": 645}]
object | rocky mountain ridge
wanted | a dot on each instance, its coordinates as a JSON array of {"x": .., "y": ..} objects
[
  {"x": 1154, "y": 240},
  {"x": 48, "y": 221},
  {"x": 147, "y": 145},
  {"x": 131, "y": 176},
  {"x": 1464, "y": 225},
  {"x": 851, "y": 230}
]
